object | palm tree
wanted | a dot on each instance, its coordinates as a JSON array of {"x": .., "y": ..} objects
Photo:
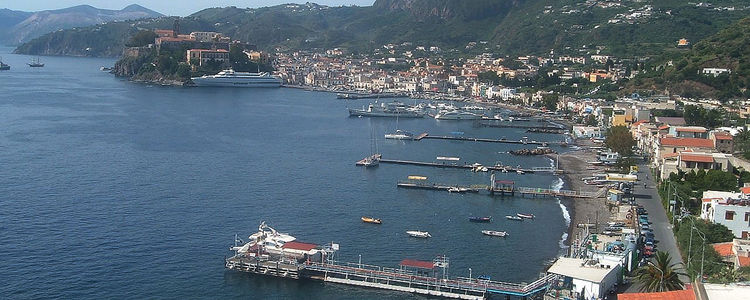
[{"x": 660, "y": 274}]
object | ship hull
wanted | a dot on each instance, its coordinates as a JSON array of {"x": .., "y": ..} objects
[{"x": 230, "y": 82}]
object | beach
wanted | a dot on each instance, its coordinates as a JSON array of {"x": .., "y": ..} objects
[{"x": 581, "y": 210}]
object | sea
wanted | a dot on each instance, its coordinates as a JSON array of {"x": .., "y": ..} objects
[{"x": 114, "y": 189}]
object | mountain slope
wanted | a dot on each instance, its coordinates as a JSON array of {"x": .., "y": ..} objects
[{"x": 39, "y": 23}]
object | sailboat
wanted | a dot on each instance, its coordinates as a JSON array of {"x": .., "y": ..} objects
[
  {"x": 374, "y": 159},
  {"x": 35, "y": 63}
]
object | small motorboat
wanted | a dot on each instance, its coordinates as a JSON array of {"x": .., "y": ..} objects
[
  {"x": 514, "y": 218},
  {"x": 480, "y": 219},
  {"x": 418, "y": 234},
  {"x": 525, "y": 216},
  {"x": 371, "y": 220},
  {"x": 495, "y": 233},
  {"x": 457, "y": 189},
  {"x": 521, "y": 172}
]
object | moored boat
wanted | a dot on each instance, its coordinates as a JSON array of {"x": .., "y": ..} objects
[
  {"x": 480, "y": 219},
  {"x": 525, "y": 216},
  {"x": 371, "y": 220},
  {"x": 230, "y": 78},
  {"x": 418, "y": 234},
  {"x": 400, "y": 135},
  {"x": 495, "y": 233},
  {"x": 514, "y": 218}
]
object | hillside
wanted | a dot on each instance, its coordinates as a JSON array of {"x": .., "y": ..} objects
[
  {"x": 624, "y": 28},
  {"x": 728, "y": 49},
  {"x": 23, "y": 26}
]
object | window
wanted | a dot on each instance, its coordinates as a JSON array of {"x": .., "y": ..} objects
[
  {"x": 747, "y": 216},
  {"x": 729, "y": 215}
]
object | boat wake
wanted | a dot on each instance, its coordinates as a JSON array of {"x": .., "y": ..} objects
[{"x": 566, "y": 215}]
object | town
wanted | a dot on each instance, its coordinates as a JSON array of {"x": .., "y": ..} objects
[{"x": 664, "y": 160}]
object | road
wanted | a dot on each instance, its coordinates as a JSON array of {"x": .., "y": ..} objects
[{"x": 657, "y": 215}]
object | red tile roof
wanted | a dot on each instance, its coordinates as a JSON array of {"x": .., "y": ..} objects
[
  {"x": 744, "y": 261},
  {"x": 723, "y": 136},
  {"x": 687, "y": 142},
  {"x": 696, "y": 158},
  {"x": 299, "y": 246},
  {"x": 671, "y": 295},
  {"x": 640, "y": 122},
  {"x": 690, "y": 129},
  {"x": 745, "y": 190},
  {"x": 662, "y": 127},
  {"x": 724, "y": 249},
  {"x": 417, "y": 264}
]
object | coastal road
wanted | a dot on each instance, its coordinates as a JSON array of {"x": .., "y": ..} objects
[{"x": 657, "y": 215}]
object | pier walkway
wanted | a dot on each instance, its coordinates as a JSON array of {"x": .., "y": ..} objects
[
  {"x": 561, "y": 193},
  {"x": 389, "y": 278},
  {"x": 468, "y": 166},
  {"x": 427, "y": 136}
]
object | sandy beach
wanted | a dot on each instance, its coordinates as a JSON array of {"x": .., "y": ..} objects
[{"x": 575, "y": 165}]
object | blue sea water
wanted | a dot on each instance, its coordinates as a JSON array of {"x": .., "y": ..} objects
[{"x": 111, "y": 189}]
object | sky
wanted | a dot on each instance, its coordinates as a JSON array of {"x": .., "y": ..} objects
[{"x": 167, "y": 7}]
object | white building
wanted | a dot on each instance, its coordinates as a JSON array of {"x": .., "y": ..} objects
[
  {"x": 729, "y": 209},
  {"x": 588, "y": 278},
  {"x": 715, "y": 71}
]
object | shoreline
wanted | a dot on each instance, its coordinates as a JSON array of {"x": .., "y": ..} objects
[{"x": 580, "y": 210}]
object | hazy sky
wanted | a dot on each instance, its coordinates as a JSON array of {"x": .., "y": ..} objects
[{"x": 167, "y": 7}]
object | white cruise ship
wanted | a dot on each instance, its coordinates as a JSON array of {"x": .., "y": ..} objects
[{"x": 230, "y": 78}]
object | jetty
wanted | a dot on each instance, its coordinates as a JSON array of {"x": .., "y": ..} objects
[
  {"x": 499, "y": 125},
  {"x": 426, "y": 135},
  {"x": 412, "y": 276},
  {"x": 498, "y": 187},
  {"x": 468, "y": 166}
]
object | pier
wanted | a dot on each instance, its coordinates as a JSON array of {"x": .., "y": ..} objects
[
  {"x": 491, "y": 124},
  {"x": 468, "y": 166},
  {"x": 412, "y": 277},
  {"x": 426, "y": 135},
  {"x": 498, "y": 187}
]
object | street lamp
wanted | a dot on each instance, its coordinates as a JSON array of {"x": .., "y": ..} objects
[
  {"x": 469, "y": 274},
  {"x": 359, "y": 263},
  {"x": 661, "y": 289}
]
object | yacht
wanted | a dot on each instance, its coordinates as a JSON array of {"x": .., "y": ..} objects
[
  {"x": 266, "y": 240},
  {"x": 400, "y": 135},
  {"x": 457, "y": 115},
  {"x": 230, "y": 78},
  {"x": 391, "y": 109}
]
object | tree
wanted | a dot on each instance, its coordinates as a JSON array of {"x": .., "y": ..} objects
[
  {"x": 142, "y": 38},
  {"x": 660, "y": 275},
  {"x": 549, "y": 101},
  {"x": 620, "y": 140},
  {"x": 591, "y": 120},
  {"x": 489, "y": 77}
]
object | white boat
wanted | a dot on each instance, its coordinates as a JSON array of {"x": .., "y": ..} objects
[
  {"x": 400, "y": 135},
  {"x": 519, "y": 171},
  {"x": 514, "y": 218},
  {"x": 230, "y": 78},
  {"x": 269, "y": 241},
  {"x": 391, "y": 109},
  {"x": 474, "y": 107},
  {"x": 525, "y": 216},
  {"x": 495, "y": 233},
  {"x": 418, "y": 234},
  {"x": 457, "y": 115}
]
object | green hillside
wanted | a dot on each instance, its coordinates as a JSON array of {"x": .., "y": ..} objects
[
  {"x": 728, "y": 49},
  {"x": 625, "y": 28}
]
